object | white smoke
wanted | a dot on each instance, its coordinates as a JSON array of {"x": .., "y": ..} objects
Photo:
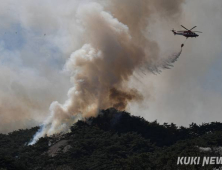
[{"x": 101, "y": 68}]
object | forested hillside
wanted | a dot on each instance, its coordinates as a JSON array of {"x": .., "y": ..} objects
[{"x": 113, "y": 140}]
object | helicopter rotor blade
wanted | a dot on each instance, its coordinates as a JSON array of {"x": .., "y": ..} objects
[
  {"x": 193, "y": 28},
  {"x": 184, "y": 27}
]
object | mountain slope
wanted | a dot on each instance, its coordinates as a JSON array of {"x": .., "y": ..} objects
[{"x": 113, "y": 140}]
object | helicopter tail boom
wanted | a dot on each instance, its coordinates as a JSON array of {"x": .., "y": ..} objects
[{"x": 174, "y": 32}]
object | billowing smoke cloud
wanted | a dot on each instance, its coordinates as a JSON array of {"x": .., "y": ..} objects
[{"x": 115, "y": 47}]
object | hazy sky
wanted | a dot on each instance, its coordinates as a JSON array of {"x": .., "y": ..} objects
[
  {"x": 37, "y": 38},
  {"x": 192, "y": 90}
]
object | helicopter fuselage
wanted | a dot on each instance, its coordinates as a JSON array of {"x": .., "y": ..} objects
[{"x": 186, "y": 34}]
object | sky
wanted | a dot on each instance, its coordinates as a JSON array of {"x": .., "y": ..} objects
[
  {"x": 38, "y": 37},
  {"x": 191, "y": 91}
]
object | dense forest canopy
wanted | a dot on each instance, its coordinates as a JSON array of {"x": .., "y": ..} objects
[{"x": 112, "y": 140}]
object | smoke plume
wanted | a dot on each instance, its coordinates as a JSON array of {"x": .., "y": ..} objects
[{"x": 114, "y": 48}]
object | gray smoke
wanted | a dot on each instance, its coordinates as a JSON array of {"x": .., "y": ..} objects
[{"x": 114, "y": 48}]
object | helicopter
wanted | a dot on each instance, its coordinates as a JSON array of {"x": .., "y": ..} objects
[{"x": 188, "y": 33}]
